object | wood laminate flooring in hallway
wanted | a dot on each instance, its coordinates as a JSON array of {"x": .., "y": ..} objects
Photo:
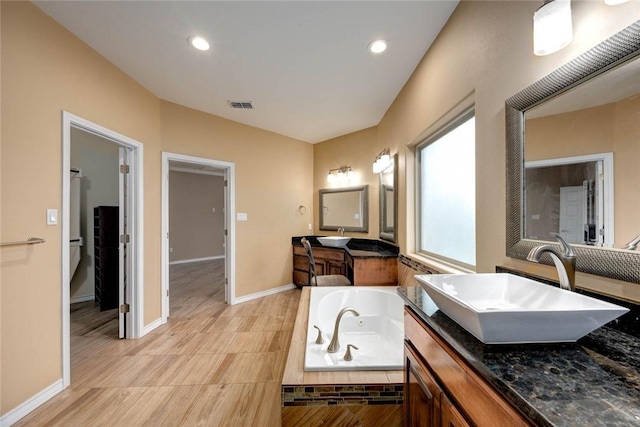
[{"x": 211, "y": 365}]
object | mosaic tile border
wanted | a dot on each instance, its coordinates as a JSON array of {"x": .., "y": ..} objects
[
  {"x": 342, "y": 395},
  {"x": 416, "y": 265}
]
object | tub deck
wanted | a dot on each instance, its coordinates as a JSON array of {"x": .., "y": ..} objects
[{"x": 377, "y": 395}]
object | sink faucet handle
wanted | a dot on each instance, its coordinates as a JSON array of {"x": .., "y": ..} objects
[
  {"x": 347, "y": 356},
  {"x": 319, "y": 340},
  {"x": 567, "y": 249}
]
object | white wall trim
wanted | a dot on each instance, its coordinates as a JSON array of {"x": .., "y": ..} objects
[
  {"x": 198, "y": 171},
  {"x": 151, "y": 326},
  {"x": 266, "y": 293},
  {"x": 22, "y": 410},
  {"x": 135, "y": 292},
  {"x": 230, "y": 265},
  {"x": 187, "y": 261},
  {"x": 82, "y": 298}
]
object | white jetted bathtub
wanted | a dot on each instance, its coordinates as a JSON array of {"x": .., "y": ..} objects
[{"x": 378, "y": 332}]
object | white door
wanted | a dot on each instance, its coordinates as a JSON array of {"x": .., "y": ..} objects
[
  {"x": 573, "y": 212},
  {"x": 123, "y": 271}
]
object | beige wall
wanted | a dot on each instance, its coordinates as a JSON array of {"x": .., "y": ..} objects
[
  {"x": 98, "y": 160},
  {"x": 613, "y": 128},
  {"x": 46, "y": 70},
  {"x": 273, "y": 178},
  {"x": 483, "y": 53},
  {"x": 196, "y": 216},
  {"x": 349, "y": 150}
]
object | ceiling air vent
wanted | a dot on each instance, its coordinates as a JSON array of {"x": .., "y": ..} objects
[{"x": 244, "y": 105}]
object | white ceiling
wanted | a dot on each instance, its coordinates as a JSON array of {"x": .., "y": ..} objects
[{"x": 303, "y": 64}]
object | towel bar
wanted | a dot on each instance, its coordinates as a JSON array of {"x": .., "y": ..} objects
[{"x": 29, "y": 241}]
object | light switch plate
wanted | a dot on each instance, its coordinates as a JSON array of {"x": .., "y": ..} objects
[
  {"x": 241, "y": 216},
  {"x": 52, "y": 216}
]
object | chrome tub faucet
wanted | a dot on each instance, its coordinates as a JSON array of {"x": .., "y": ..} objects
[
  {"x": 564, "y": 259},
  {"x": 334, "y": 345}
]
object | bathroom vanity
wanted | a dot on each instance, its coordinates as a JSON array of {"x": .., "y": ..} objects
[
  {"x": 366, "y": 262},
  {"x": 453, "y": 379}
]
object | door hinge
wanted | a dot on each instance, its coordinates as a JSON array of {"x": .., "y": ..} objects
[
  {"x": 167, "y": 292},
  {"x": 226, "y": 232},
  {"x": 225, "y": 182},
  {"x": 124, "y": 308},
  {"x": 124, "y": 238},
  {"x": 226, "y": 281},
  {"x": 124, "y": 168}
]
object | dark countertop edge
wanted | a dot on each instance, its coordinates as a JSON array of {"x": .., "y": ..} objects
[
  {"x": 374, "y": 248},
  {"x": 519, "y": 403}
]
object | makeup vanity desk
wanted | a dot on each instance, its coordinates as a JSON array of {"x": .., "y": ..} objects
[{"x": 366, "y": 262}]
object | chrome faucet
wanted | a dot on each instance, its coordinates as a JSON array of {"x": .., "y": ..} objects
[
  {"x": 633, "y": 245},
  {"x": 334, "y": 345},
  {"x": 341, "y": 231},
  {"x": 563, "y": 258}
]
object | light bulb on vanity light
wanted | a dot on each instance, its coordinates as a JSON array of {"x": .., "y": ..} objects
[{"x": 552, "y": 27}]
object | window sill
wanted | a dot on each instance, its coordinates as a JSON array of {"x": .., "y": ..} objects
[{"x": 438, "y": 265}]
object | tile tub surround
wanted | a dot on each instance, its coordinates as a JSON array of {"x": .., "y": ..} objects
[
  {"x": 345, "y": 395},
  {"x": 593, "y": 382}
]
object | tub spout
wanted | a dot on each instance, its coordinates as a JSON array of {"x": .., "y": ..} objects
[{"x": 334, "y": 345}]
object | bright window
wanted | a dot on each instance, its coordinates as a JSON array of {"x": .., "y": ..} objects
[{"x": 447, "y": 193}]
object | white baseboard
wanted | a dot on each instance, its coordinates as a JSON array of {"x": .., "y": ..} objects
[
  {"x": 22, "y": 410},
  {"x": 150, "y": 327},
  {"x": 261, "y": 294},
  {"x": 83, "y": 298},
  {"x": 186, "y": 261}
]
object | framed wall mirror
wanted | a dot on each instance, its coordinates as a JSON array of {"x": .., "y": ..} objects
[
  {"x": 346, "y": 208},
  {"x": 389, "y": 202},
  {"x": 572, "y": 152}
]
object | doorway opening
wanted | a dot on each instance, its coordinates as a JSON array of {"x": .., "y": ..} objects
[
  {"x": 571, "y": 196},
  {"x": 117, "y": 159},
  {"x": 204, "y": 232}
]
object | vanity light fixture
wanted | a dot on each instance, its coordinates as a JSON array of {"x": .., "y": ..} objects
[
  {"x": 199, "y": 43},
  {"x": 340, "y": 174},
  {"x": 377, "y": 46},
  {"x": 614, "y": 2},
  {"x": 382, "y": 162},
  {"x": 552, "y": 27}
]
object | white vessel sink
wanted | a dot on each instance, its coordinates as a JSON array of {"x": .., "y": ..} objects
[
  {"x": 505, "y": 308},
  {"x": 334, "y": 241}
]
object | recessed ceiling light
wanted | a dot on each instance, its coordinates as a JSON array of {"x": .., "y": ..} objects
[
  {"x": 199, "y": 43},
  {"x": 378, "y": 46}
]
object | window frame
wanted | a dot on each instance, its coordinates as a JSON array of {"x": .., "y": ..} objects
[{"x": 448, "y": 127}]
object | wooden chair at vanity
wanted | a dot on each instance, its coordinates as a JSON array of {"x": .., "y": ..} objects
[{"x": 322, "y": 280}]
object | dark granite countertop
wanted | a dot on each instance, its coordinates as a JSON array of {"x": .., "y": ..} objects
[
  {"x": 357, "y": 248},
  {"x": 594, "y": 382}
]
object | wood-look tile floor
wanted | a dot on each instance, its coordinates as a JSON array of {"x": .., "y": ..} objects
[{"x": 211, "y": 365}]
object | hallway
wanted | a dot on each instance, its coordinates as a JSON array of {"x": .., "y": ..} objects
[{"x": 211, "y": 364}]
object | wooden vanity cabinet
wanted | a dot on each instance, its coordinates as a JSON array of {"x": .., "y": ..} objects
[
  {"x": 328, "y": 261},
  {"x": 442, "y": 390},
  {"x": 372, "y": 271}
]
